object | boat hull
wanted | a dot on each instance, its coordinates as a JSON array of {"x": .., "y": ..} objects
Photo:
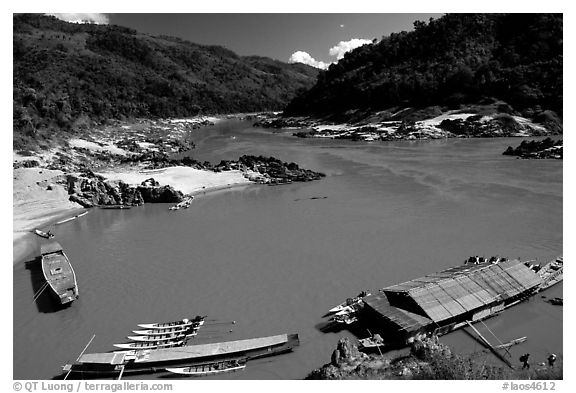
[{"x": 158, "y": 360}]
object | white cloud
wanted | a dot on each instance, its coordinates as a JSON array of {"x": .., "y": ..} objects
[
  {"x": 346, "y": 46},
  {"x": 303, "y": 57},
  {"x": 99, "y": 19}
]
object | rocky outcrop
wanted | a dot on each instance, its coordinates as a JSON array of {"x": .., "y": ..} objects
[
  {"x": 271, "y": 170},
  {"x": 163, "y": 194},
  {"x": 546, "y": 148},
  {"x": 427, "y": 356},
  {"x": 91, "y": 190}
]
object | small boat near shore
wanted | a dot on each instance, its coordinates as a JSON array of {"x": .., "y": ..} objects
[
  {"x": 371, "y": 343},
  {"x": 348, "y": 303},
  {"x": 557, "y": 301},
  {"x": 72, "y": 218},
  {"x": 198, "y": 320},
  {"x": 115, "y": 207},
  {"x": 45, "y": 235},
  {"x": 202, "y": 370},
  {"x": 58, "y": 272},
  {"x": 185, "y": 204}
]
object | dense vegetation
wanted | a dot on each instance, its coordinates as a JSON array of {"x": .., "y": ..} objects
[
  {"x": 456, "y": 59},
  {"x": 67, "y": 76}
]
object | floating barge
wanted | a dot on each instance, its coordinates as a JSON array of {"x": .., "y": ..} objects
[
  {"x": 157, "y": 360},
  {"x": 58, "y": 272},
  {"x": 442, "y": 302}
]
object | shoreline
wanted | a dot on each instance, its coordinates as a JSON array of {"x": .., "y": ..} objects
[{"x": 36, "y": 207}]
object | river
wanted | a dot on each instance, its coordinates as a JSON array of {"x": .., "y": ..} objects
[{"x": 274, "y": 260}]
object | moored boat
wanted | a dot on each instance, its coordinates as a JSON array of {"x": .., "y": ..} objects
[
  {"x": 370, "y": 343},
  {"x": 158, "y": 332},
  {"x": 175, "y": 324},
  {"x": 58, "y": 272},
  {"x": 551, "y": 273},
  {"x": 150, "y": 344},
  {"x": 162, "y": 337},
  {"x": 557, "y": 301},
  {"x": 349, "y": 302},
  {"x": 201, "y": 370},
  {"x": 144, "y": 361},
  {"x": 45, "y": 235}
]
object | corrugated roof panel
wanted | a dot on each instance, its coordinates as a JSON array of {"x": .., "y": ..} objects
[
  {"x": 476, "y": 290},
  {"x": 499, "y": 276},
  {"x": 462, "y": 295},
  {"x": 434, "y": 302},
  {"x": 484, "y": 281},
  {"x": 526, "y": 276},
  {"x": 404, "y": 320},
  {"x": 514, "y": 283}
]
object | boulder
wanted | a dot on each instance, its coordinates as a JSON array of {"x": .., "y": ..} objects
[{"x": 163, "y": 194}]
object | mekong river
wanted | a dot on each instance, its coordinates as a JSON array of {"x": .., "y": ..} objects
[{"x": 274, "y": 260}]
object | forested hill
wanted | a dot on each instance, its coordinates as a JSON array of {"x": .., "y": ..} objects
[
  {"x": 456, "y": 59},
  {"x": 67, "y": 75}
]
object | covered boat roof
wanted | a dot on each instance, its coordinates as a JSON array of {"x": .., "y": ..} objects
[
  {"x": 188, "y": 351},
  {"x": 49, "y": 247},
  {"x": 403, "y": 319},
  {"x": 460, "y": 289}
]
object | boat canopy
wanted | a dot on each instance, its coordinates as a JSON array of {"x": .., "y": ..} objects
[
  {"x": 457, "y": 290},
  {"x": 49, "y": 247}
]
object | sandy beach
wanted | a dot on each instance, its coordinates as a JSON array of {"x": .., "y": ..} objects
[
  {"x": 185, "y": 179},
  {"x": 38, "y": 200}
]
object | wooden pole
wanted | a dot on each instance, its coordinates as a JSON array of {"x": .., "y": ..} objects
[
  {"x": 487, "y": 343},
  {"x": 81, "y": 353}
]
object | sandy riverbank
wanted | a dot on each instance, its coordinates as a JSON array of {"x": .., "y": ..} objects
[
  {"x": 38, "y": 200},
  {"x": 185, "y": 179}
]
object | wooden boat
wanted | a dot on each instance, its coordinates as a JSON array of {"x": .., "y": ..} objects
[
  {"x": 163, "y": 337},
  {"x": 349, "y": 302},
  {"x": 512, "y": 342},
  {"x": 115, "y": 207},
  {"x": 557, "y": 301},
  {"x": 45, "y": 235},
  {"x": 72, "y": 218},
  {"x": 58, "y": 272},
  {"x": 150, "y": 344},
  {"x": 370, "y": 343},
  {"x": 185, "y": 204},
  {"x": 175, "y": 324},
  {"x": 551, "y": 273},
  {"x": 145, "y": 361},
  {"x": 347, "y": 319},
  {"x": 201, "y": 370},
  {"x": 157, "y": 332}
]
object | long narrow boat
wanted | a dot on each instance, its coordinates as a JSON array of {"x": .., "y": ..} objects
[
  {"x": 349, "y": 303},
  {"x": 163, "y": 337},
  {"x": 175, "y": 324},
  {"x": 58, "y": 272},
  {"x": 175, "y": 330},
  {"x": 150, "y": 344},
  {"x": 551, "y": 273},
  {"x": 157, "y": 360},
  {"x": 201, "y": 370}
]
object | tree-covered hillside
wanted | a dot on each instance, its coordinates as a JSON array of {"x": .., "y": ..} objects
[
  {"x": 456, "y": 59},
  {"x": 67, "y": 76}
]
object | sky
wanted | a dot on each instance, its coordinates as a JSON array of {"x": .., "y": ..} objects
[{"x": 316, "y": 39}]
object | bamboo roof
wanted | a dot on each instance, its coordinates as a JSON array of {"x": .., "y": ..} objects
[{"x": 465, "y": 288}]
